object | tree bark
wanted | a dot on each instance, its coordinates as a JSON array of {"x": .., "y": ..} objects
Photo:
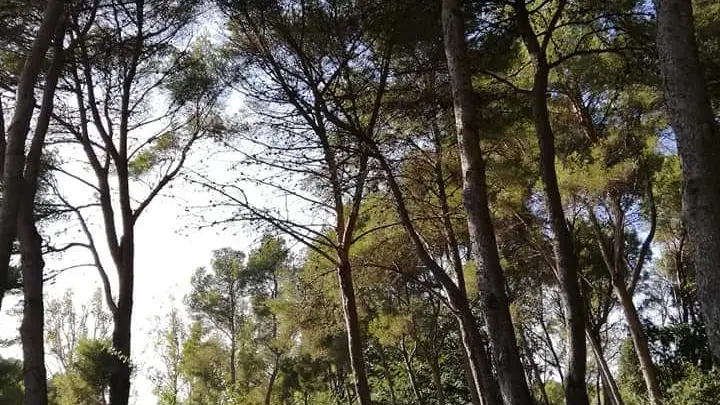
[
  {"x": 696, "y": 131},
  {"x": 122, "y": 321},
  {"x": 606, "y": 376},
  {"x": 437, "y": 378},
  {"x": 566, "y": 261},
  {"x": 477, "y": 361},
  {"x": 614, "y": 259},
  {"x": 482, "y": 382},
  {"x": 491, "y": 280},
  {"x": 271, "y": 381},
  {"x": 640, "y": 342},
  {"x": 14, "y": 158},
  {"x": 352, "y": 326},
  {"x": 32, "y": 327},
  {"x": 407, "y": 360}
]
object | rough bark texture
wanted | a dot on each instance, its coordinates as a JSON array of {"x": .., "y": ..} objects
[
  {"x": 491, "y": 280},
  {"x": 357, "y": 362},
  {"x": 122, "y": 321},
  {"x": 698, "y": 144},
  {"x": 14, "y": 159},
  {"x": 31, "y": 329}
]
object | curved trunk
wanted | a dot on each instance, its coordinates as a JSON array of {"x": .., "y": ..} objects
[
  {"x": 698, "y": 141},
  {"x": 613, "y": 257}
]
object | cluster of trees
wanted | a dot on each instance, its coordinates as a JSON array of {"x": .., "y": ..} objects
[{"x": 493, "y": 202}]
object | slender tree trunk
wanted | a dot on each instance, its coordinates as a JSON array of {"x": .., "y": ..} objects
[
  {"x": 482, "y": 384},
  {"x": 388, "y": 377},
  {"x": 480, "y": 372},
  {"x": 698, "y": 141},
  {"x": 475, "y": 397},
  {"x": 352, "y": 326},
  {"x": 407, "y": 360},
  {"x": 614, "y": 258},
  {"x": 565, "y": 257},
  {"x": 640, "y": 342},
  {"x": 609, "y": 384},
  {"x": 437, "y": 378},
  {"x": 14, "y": 158},
  {"x": 491, "y": 280},
  {"x": 535, "y": 370},
  {"x": 233, "y": 338},
  {"x": 271, "y": 381}
]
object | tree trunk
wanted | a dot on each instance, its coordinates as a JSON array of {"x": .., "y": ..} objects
[
  {"x": 352, "y": 326},
  {"x": 609, "y": 384},
  {"x": 698, "y": 144},
  {"x": 32, "y": 328},
  {"x": 478, "y": 366},
  {"x": 491, "y": 280},
  {"x": 534, "y": 368},
  {"x": 120, "y": 375},
  {"x": 437, "y": 378},
  {"x": 233, "y": 338},
  {"x": 566, "y": 261},
  {"x": 271, "y": 382},
  {"x": 14, "y": 159},
  {"x": 409, "y": 368},
  {"x": 388, "y": 377},
  {"x": 640, "y": 342}
]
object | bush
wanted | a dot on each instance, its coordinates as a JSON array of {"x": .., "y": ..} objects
[{"x": 698, "y": 387}]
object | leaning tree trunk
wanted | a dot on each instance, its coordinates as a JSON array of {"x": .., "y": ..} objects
[
  {"x": 640, "y": 342},
  {"x": 491, "y": 280},
  {"x": 698, "y": 142},
  {"x": 612, "y": 392}
]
